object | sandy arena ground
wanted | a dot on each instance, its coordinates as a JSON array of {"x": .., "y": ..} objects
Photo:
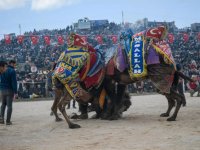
[{"x": 141, "y": 128}]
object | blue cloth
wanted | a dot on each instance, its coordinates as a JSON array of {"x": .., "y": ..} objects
[{"x": 8, "y": 80}]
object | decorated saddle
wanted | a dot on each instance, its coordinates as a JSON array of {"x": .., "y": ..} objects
[
  {"x": 79, "y": 63},
  {"x": 144, "y": 50}
]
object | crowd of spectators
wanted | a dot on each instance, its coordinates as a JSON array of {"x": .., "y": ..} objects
[{"x": 34, "y": 62}]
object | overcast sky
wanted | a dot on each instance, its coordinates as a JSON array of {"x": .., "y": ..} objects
[{"x": 51, "y": 14}]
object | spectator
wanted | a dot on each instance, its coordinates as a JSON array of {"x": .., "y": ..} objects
[
  {"x": 2, "y": 70},
  {"x": 74, "y": 104},
  {"x": 8, "y": 88},
  {"x": 2, "y": 67},
  {"x": 194, "y": 86}
]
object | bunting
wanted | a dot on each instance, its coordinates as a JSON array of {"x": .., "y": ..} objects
[{"x": 157, "y": 34}]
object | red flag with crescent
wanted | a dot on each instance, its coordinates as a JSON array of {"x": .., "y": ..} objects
[
  {"x": 7, "y": 39},
  {"x": 170, "y": 38},
  {"x": 99, "y": 39},
  {"x": 198, "y": 36},
  {"x": 157, "y": 32},
  {"x": 34, "y": 39},
  {"x": 185, "y": 37},
  {"x": 20, "y": 39},
  {"x": 47, "y": 39},
  {"x": 60, "y": 39},
  {"x": 114, "y": 39},
  {"x": 84, "y": 38},
  {"x": 80, "y": 40}
]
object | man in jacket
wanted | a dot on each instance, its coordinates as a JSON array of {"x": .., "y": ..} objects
[
  {"x": 8, "y": 89},
  {"x": 3, "y": 65}
]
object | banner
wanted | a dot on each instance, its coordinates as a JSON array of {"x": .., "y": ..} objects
[
  {"x": 185, "y": 37},
  {"x": 34, "y": 39},
  {"x": 60, "y": 39},
  {"x": 138, "y": 67},
  {"x": 198, "y": 36},
  {"x": 47, "y": 39},
  {"x": 7, "y": 39},
  {"x": 84, "y": 38},
  {"x": 20, "y": 39},
  {"x": 171, "y": 38},
  {"x": 114, "y": 39},
  {"x": 99, "y": 39}
]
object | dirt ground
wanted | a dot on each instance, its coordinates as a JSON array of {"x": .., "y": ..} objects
[{"x": 141, "y": 128}]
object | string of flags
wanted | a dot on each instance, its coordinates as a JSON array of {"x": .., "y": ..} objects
[
  {"x": 99, "y": 38},
  {"x": 60, "y": 39},
  {"x": 185, "y": 37}
]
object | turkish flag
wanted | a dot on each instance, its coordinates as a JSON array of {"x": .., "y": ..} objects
[
  {"x": 99, "y": 39},
  {"x": 60, "y": 39},
  {"x": 84, "y": 38},
  {"x": 47, "y": 39},
  {"x": 20, "y": 39},
  {"x": 198, "y": 36},
  {"x": 114, "y": 38},
  {"x": 156, "y": 32},
  {"x": 34, "y": 39},
  {"x": 170, "y": 38},
  {"x": 7, "y": 39},
  {"x": 185, "y": 37}
]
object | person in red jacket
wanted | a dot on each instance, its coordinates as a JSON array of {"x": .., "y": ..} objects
[{"x": 194, "y": 86}]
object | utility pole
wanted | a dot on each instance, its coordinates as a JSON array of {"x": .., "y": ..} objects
[
  {"x": 122, "y": 17},
  {"x": 19, "y": 29}
]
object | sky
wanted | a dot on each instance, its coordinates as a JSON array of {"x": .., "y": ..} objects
[{"x": 56, "y": 14}]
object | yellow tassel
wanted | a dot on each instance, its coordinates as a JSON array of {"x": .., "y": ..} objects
[{"x": 102, "y": 98}]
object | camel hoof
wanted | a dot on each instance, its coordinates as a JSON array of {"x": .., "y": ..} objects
[
  {"x": 59, "y": 119},
  {"x": 164, "y": 115},
  {"x": 74, "y": 116},
  {"x": 51, "y": 114},
  {"x": 74, "y": 126},
  {"x": 114, "y": 117},
  {"x": 95, "y": 116},
  {"x": 171, "y": 119},
  {"x": 105, "y": 116},
  {"x": 82, "y": 116},
  {"x": 184, "y": 104}
]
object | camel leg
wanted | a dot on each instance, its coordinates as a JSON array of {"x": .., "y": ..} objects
[
  {"x": 83, "y": 110},
  {"x": 118, "y": 102},
  {"x": 61, "y": 105},
  {"x": 112, "y": 94},
  {"x": 171, "y": 104},
  {"x": 178, "y": 99},
  {"x": 58, "y": 95}
]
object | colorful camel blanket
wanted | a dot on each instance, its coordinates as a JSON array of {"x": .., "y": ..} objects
[
  {"x": 163, "y": 48},
  {"x": 142, "y": 43},
  {"x": 78, "y": 65},
  {"x": 67, "y": 68}
]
